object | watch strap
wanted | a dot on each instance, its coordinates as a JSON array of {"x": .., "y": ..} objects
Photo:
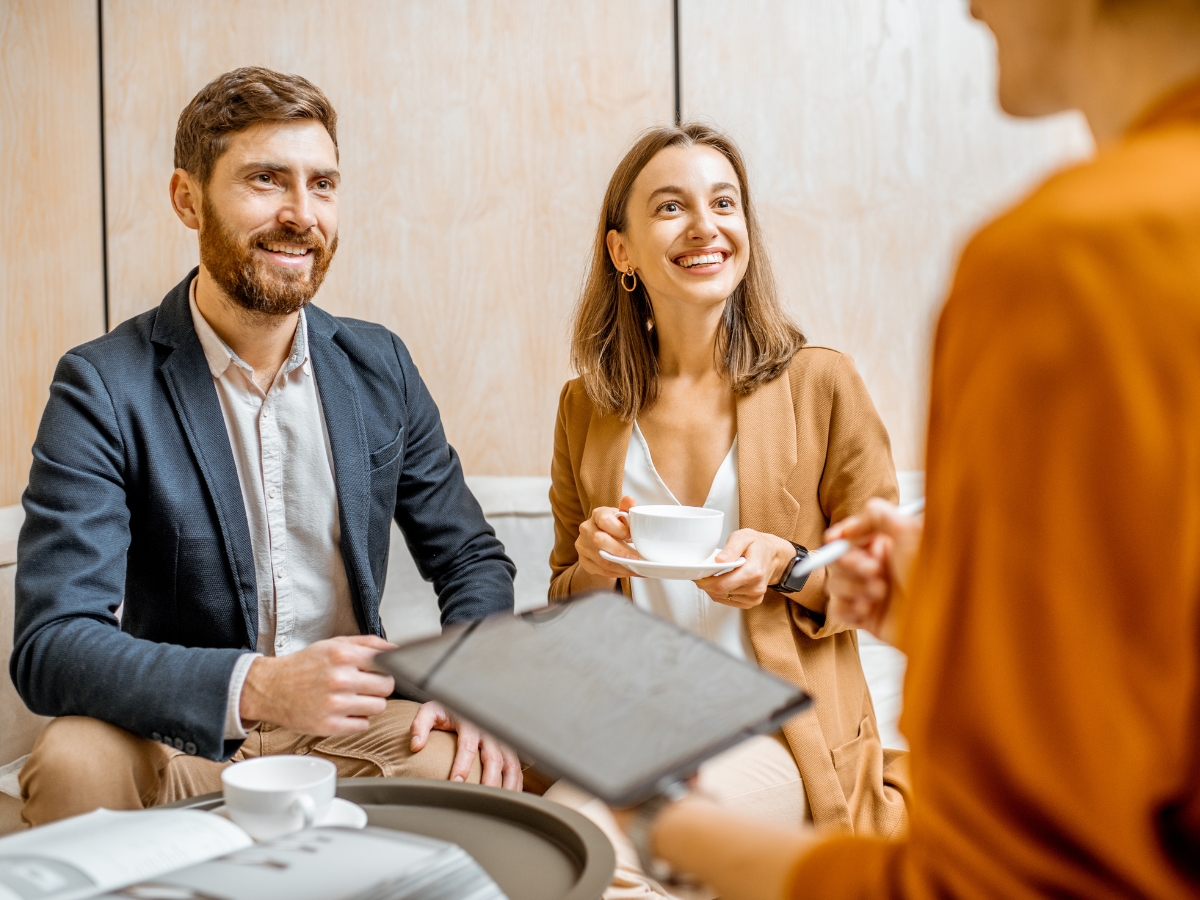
[{"x": 787, "y": 584}]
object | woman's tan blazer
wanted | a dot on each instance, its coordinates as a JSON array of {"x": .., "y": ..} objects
[{"x": 811, "y": 451}]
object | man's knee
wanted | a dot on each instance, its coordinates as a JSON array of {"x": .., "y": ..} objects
[
  {"x": 79, "y": 764},
  {"x": 76, "y": 748},
  {"x": 436, "y": 759},
  {"x": 386, "y": 748}
]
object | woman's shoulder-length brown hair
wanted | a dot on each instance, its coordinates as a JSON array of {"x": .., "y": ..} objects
[{"x": 614, "y": 347}]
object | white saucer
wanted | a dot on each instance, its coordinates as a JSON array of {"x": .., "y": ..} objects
[
  {"x": 675, "y": 571},
  {"x": 341, "y": 812}
]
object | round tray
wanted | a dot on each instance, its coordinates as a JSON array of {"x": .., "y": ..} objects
[{"x": 532, "y": 848}]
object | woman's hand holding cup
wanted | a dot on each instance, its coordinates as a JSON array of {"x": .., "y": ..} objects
[
  {"x": 766, "y": 557},
  {"x": 605, "y": 530}
]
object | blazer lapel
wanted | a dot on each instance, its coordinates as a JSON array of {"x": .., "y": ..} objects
[
  {"x": 602, "y": 467},
  {"x": 348, "y": 441},
  {"x": 766, "y": 429},
  {"x": 190, "y": 386}
]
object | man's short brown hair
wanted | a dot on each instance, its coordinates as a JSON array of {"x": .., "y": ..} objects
[{"x": 236, "y": 100}]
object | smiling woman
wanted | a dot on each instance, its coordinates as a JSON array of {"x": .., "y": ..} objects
[
  {"x": 697, "y": 390},
  {"x": 693, "y": 166}
]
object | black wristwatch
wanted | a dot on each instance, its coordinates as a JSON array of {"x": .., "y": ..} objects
[{"x": 788, "y": 585}]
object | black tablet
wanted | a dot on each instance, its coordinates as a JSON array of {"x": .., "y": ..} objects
[{"x": 596, "y": 691}]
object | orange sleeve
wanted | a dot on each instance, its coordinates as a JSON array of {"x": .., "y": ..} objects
[
  {"x": 850, "y": 868},
  {"x": 1053, "y": 675}
]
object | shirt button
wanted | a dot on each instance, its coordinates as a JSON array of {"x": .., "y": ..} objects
[
  {"x": 271, "y": 493},
  {"x": 279, "y": 573},
  {"x": 189, "y": 748},
  {"x": 178, "y": 743},
  {"x": 155, "y": 736}
]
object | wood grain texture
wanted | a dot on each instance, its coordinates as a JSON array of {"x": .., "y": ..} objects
[
  {"x": 51, "y": 268},
  {"x": 477, "y": 137},
  {"x": 875, "y": 147}
]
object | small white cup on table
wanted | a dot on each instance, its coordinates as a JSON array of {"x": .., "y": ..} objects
[{"x": 271, "y": 796}]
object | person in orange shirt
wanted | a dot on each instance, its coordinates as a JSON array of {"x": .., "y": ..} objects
[{"x": 1051, "y": 607}]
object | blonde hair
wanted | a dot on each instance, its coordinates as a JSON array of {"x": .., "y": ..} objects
[{"x": 614, "y": 351}]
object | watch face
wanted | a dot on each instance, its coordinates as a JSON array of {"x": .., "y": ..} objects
[
  {"x": 797, "y": 586},
  {"x": 786, "y": 585}
]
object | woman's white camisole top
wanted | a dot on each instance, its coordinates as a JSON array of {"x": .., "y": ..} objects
[{"x": 682, "y": 602}]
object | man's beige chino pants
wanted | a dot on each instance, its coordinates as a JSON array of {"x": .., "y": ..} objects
[{"x": 80, "y": 764}]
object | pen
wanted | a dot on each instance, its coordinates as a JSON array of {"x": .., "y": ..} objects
[{"x": 837, "y": 549}]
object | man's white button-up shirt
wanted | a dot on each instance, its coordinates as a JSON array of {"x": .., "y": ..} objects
[{"x": 285, "y": 470}]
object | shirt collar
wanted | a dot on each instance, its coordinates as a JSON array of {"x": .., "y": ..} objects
[{"x": 220, "y": 356}]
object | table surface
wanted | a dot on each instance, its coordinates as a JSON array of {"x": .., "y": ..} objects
[{"x": 534, "y": 849}]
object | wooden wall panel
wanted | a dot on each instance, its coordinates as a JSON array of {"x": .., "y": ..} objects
[
  {"x": 51, "y": 268},
  {"x": 875, "y": 147},
  {"x": 477, "y": 137}
]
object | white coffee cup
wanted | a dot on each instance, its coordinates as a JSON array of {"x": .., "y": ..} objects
[
  {"x": 275, "y": 795},
  {"x": 675, "y": 534}
]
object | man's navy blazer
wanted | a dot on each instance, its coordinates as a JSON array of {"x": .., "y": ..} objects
[{"x": 133, "y": 497}]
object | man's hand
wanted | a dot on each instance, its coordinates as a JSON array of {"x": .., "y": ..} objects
[
  {"x": 864, "y": 583},
  {"x": 328, "y": 688},
  {"x": 501, "y": 767}
]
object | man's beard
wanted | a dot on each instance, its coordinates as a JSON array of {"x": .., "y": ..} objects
[{"x": 255, "y": 284}]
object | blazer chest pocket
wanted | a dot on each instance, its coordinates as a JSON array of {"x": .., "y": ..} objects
[
  {"x": 385, "y": 480},
  {"x": 389, "y": 454}
]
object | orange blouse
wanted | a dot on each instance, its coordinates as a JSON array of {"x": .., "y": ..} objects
[{"x": 1052, "y": 702}]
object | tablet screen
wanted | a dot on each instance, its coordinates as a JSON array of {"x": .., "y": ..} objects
[{"x": 595, "y": 690}]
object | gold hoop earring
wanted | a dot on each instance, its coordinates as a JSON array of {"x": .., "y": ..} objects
[{"x": 627, "y": 273}]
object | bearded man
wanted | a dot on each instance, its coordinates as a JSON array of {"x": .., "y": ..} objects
[{"x": 208, "y": 511}]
